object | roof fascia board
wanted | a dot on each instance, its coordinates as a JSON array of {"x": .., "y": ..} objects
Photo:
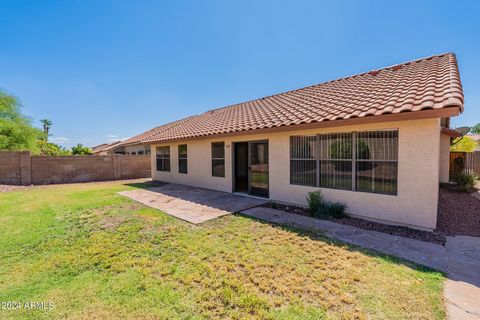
[{"x": 404, "y": 116}]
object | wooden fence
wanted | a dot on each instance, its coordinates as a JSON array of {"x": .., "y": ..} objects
[{"x": 466, "y": 162}]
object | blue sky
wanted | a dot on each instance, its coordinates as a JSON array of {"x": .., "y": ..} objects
[{"x": 105, "y": 70}]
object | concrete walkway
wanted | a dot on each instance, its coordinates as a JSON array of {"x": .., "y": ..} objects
[
  {"x": 195, "y": 205},
  {"x": 459, "y": 259},
  {"x": 462, "y": 288}
]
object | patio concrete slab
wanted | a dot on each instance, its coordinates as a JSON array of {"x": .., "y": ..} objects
[{"x": 192, "y": 204}]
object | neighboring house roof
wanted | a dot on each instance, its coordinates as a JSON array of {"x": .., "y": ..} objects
[
  {"x": 140, "y": 138},
  {"x": 474, "y": 136},
  {"x": 424, "y": 84},
  {"x": 107, "y": 147},
  {"x": 99, "y": 147}
]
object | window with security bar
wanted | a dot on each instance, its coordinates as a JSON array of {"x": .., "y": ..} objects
[
  {"x": 377, "y": 161},
  {"x": 362, "y": 161},
  {"x": 163, "y": 158},
  {"x": 335, "y": 161},
  {"x": 218, "y": 159},
  {"x": 182, "y": 158},
  {"x": 303, "y": 165}
]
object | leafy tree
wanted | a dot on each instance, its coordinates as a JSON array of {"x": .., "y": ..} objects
[
  {"x": 464, "y": 144},
  {"x": 475, "y": 128},
  {"x": 80, "y": 149},
  {"x": 46, "y": 127},
  {"x": 16, "y": 130},
  {"x": 51, "y": 149}
]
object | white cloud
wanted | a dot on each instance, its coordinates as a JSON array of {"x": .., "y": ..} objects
[
  {"x": 59, "y": 139},
  {"x": 114, "y": 138},
  {"x": 111, "y": 137}
]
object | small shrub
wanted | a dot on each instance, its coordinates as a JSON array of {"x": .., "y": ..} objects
[
  {"x": 332, "y": 209},
  {"x": 336, "y": 209},
  {"x": 464, "y": 181},
  {"x": 315, "y": 200}
]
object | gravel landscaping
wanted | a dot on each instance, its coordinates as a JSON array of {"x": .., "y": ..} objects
[
  {"x": 406, "y": 232},
  {"x": 458, "y": 213},
  {"x": 9, "y": 188}
]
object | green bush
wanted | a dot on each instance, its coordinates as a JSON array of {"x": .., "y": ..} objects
[
  {"x": 319, "y": 208},
  {"x": 464, "y": 181},
  {"x": 80, "y": 149},
  {"x": 332, "y": 209},
  {"x": 51, "y": 149},
  {"x": 315, "y": 200}
]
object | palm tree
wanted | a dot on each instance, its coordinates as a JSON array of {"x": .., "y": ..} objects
[{"x": 46, "y": 127}]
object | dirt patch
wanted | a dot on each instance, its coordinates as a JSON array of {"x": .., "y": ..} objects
[
  {"x": 111, "y": 223},
  {"x": 9, "y": 188},
  {"x": 435, "y": 237},
  {"x": 458, "y": 213}
]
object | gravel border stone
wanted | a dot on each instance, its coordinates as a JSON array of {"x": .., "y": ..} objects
[
  {"x": 434, "y": 237},
  {"x": 458, "y": 213},
  {"x": 10, "y": 188}
]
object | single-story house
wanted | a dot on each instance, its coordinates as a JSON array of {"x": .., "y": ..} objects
[
  {"x": 128, "y": 147},
  {"x": 377, "y": 142}
]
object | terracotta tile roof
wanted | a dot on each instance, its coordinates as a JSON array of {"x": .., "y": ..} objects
[
  {"x": 99, "y": 147},
  {"x": 150, "y": 133},
  {"x": 429, "y": 83},
  {"x": 106, "y": 147}
]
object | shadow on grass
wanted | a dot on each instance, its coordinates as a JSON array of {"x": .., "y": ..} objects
[
  {"x": 317, "y": 235},
  {"x": 146, "y": 184},
  {"x": 211, "y": 198}
]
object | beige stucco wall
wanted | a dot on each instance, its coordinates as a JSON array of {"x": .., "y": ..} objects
[
  {"x": 418, "y": 172},
  {"x": 444, "y": 158}
]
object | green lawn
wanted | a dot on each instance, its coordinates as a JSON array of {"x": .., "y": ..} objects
[{"x": 97, "y": 255}]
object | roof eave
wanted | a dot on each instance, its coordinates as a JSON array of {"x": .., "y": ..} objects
[{"x": 452, "y": 108}]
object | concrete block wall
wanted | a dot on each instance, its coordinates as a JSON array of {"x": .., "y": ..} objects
[
  {"x": 66, "y": 169},
  {"x": 131, "y": 167},
  {"x": 15, "y": 167},
  {"x": 20, "y": 168}
]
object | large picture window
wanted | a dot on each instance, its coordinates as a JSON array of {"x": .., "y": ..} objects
[
  {"x": 362, "y": 161},
  {"x": 163, "y": 158},
  {"x": 218, "y": 159},
  {"x": 182, "y": 158}
]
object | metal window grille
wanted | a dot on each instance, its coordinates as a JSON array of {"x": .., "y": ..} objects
[
  {"x": 303, "y": 165},
  {"x": 377, "y": 161},
  {"x": 163, "y": 158},
  {"x": 218, "y": 159},
  {"x": 362, "y": 161},
  {"x": 182, "y": 158},
  {"x": 335, "y": 160}
]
